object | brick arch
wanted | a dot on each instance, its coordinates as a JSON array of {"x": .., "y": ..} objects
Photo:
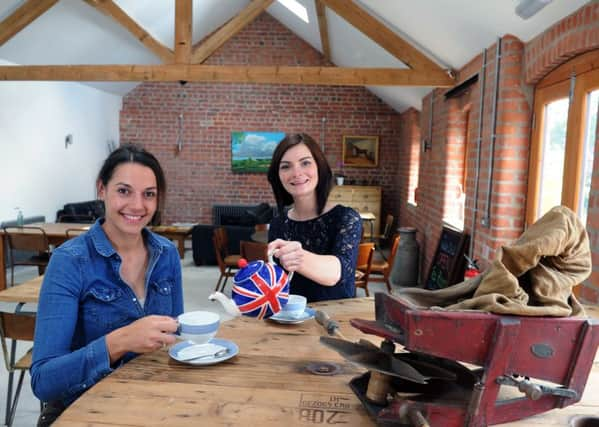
[{"x": 576, "y": 34}]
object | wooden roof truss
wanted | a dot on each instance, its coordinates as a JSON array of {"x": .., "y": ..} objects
[{"x": 185, "y": 62}]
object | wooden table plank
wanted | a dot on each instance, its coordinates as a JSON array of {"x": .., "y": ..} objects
[{"x": 25, "y": 292}]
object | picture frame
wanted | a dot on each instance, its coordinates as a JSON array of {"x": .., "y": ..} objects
[
  {"x": 361, "y": 151},
  {"x": 251, "y": 151}
]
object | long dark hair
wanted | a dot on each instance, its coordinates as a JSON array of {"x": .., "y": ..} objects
[
  {"x": 325, "y": 175},
  {"x": 131, "y": 153}
]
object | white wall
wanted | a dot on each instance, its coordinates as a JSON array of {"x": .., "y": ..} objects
[{"x": 37, "y": 172}]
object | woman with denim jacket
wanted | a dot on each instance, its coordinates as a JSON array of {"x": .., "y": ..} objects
[{"x": 108, "y": 294}]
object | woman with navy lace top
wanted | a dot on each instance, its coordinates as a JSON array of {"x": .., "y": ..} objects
[
  {"x": 315, "y": 239},
  {"x": 110, "y": 293}
]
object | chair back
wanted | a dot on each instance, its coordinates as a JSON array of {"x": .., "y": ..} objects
[
  {"x": 17, "y": 326},
  {"x": 388, "y": 226},
  {"x": 221, "y": 234},
  {"x": 363, "y": 265},
  {"x": 74, "y": 232},
  {"x": 28, "y": 238},
  {"x": 364, "y": 260},
  {"x": 254, "y": 251},
  {"x": 261, "y": 227},
  {"x": 393, "y": 252}
]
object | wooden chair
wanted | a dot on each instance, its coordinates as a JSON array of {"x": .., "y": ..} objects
[
  {"x": 226, "y": 271},
  {"x": 15, "y": 327},
  {"x": 254, "y": 251},
  {"x": 261, "y": 227},
  {"x": 229, "y": 259},
  {"x": 385, "y": 237},
  {"x": 383, "y": 267},
  {"x": 30, "y": 239},
  {"x": 363, "y": 265}
]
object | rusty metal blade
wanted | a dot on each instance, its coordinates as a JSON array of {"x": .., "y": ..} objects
[{"x": 374, "y": 359}]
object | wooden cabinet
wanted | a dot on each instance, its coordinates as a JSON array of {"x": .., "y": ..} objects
[{"x": 362, "y": 199}]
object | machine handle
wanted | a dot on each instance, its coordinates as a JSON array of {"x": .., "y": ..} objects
[{"x": 330, "y": 325}]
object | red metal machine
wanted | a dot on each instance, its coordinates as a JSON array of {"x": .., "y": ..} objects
[{"x": 523, "y": 365}]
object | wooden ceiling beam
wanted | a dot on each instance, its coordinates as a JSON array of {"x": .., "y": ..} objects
[
  {"x": 380, "y": 34},
  {"x": 323, "y": 28},
  {"x": 332, "y": 76},
  {"x": 232, "y": 27},
  {"x": 23, "y": 16},
  {"x": 111, "y": 9},
  {"x": 183, "y": 31}
]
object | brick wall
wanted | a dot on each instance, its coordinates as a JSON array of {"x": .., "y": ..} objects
[
  {"x": 200, "y": 175},
  {"x": 520, "y": 66},
  {"x": 577, "y": 33}
]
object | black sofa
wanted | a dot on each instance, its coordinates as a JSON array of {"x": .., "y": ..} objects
[
  {"x": 238, "y": 220},
  {"x": 83, "y": 212}
]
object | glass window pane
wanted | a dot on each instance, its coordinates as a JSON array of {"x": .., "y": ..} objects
[
  {"x": 589, "y": 149},
  {"x": 552, "y": 156}
]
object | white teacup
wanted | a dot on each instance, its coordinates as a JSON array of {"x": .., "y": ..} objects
[
  {"x": 295, "y": 307},
  {"x": 198, "y": 326}
]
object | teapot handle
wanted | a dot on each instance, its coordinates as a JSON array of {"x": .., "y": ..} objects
[{"x": 271, "y": 261}]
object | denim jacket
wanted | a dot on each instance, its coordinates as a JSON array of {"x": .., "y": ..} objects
[{"x": 83, "y": 298}]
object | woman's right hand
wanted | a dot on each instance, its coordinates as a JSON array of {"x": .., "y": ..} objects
[{"x": 142, "y": 336}]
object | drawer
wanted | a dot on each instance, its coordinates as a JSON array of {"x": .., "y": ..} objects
[
  {"x": 367, "y": 195},
  {"x": 362, "y": 206},
  {"x": 340, "y": 196}
]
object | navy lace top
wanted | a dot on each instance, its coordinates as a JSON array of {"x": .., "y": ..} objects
[{"x": 336, "y": 232}]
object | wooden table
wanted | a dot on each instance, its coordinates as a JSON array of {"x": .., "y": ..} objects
[
  {"x": 177, "y": 233},
  {"x": 266, "y": 381},
  {"x": 266, "y": 384},
  {"x": 56, "y": 232}
]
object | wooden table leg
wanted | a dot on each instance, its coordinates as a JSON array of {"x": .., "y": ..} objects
[
  {"x": 2, "y": 264},
  {"x": 181, "y": 245}
]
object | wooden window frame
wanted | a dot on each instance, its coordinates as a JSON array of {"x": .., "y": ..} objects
[{"x": 554, "y": 86}]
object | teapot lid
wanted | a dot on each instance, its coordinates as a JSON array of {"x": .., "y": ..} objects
[{"x": 247, "y": 271}]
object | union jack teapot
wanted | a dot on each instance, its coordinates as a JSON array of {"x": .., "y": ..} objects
[{"x": 260, "y": 289}]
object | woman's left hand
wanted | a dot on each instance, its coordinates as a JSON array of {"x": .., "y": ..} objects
[{"x": 291, "y": 255}]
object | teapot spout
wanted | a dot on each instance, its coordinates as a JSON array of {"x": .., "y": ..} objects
[{"x": 228, "y": 305}]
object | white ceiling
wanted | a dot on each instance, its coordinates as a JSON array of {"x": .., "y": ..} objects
[{"x": 451, "y": 32}]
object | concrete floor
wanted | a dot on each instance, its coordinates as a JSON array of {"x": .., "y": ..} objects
[{"x": 198, "y": 283}]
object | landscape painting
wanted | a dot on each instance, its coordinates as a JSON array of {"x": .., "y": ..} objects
[{"x": 251, "y": 151}]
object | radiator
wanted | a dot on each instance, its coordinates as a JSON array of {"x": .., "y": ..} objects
[{"x": 218, "y": 211}]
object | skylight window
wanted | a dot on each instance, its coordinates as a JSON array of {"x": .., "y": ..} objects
[{"x": 297, "y": 8}]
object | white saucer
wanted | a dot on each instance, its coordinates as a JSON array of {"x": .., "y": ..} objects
[
  {"x": 230, "y": 345},
  {"x": 282, "y": 318}
]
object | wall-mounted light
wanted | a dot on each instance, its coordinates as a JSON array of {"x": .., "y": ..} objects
[
  {"x": 527, "y": 8},
  {"x": 68, "y": 140}
]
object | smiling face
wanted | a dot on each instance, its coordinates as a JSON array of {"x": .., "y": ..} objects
[
  {"x": 130, "y": 199},
  {"x": 298, "y": 172}
]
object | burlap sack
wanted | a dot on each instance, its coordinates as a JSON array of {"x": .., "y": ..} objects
[{"x": 534, "y": 276}]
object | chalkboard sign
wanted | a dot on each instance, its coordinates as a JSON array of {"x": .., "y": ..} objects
[{"x": 448, "y": 263}]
